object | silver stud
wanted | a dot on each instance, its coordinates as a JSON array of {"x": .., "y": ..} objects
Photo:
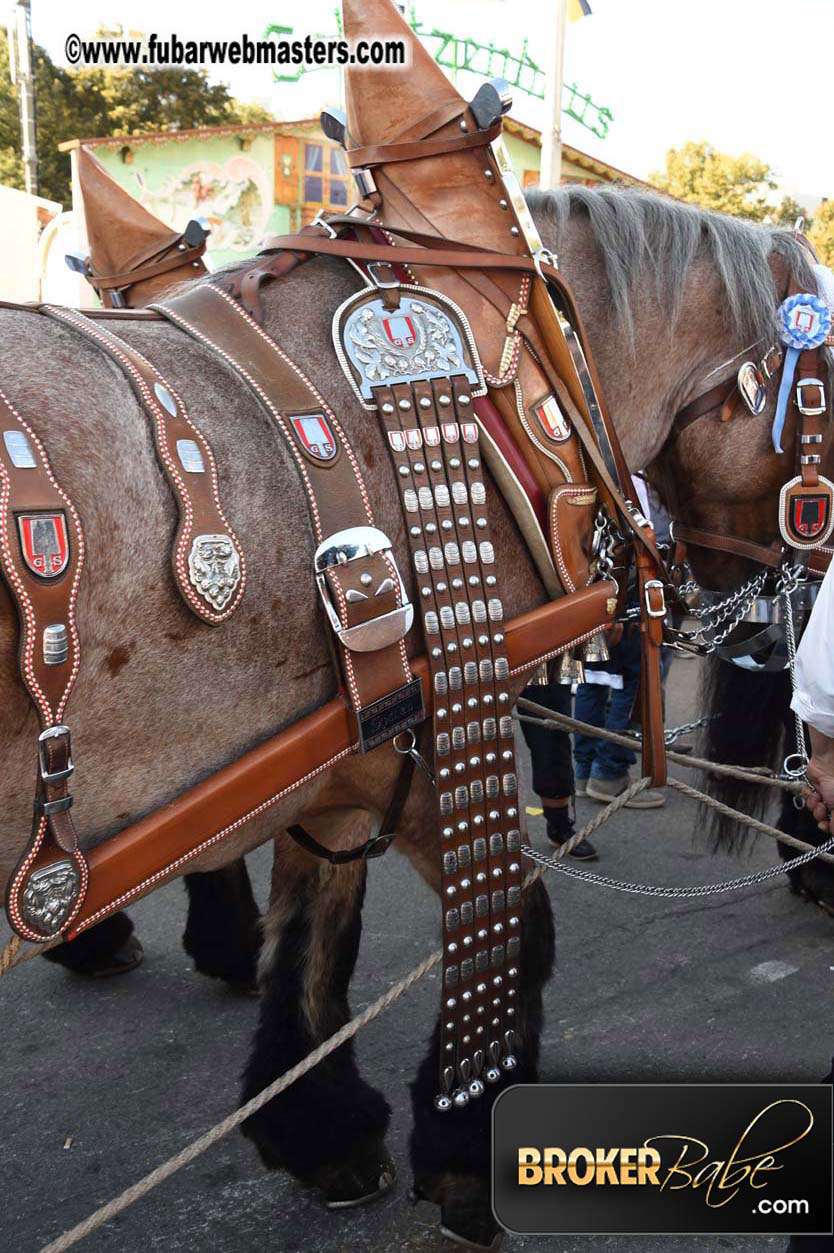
[
  {"x": 464, "y": 399},
  {"x": 404, "y": 471},
  {"x": 418, "y": 467},
  {"x": 425, "y": 403},
  {"x": 444, "y": 400},
  {"x": 437, "y": 465},
  {"x": 514, "y": 230},
  {"x": 387, "y": 407},
  {"x": 404, "y": 403}
]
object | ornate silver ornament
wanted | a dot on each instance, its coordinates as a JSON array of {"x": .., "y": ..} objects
[
  {"x": 50, "y": 896},
  {"x": 427, "y": 337},
  {"x": 214, "y": 569},
  {"x": 752, "y": 388}
]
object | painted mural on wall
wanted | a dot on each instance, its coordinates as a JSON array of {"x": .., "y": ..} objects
[{"x": 235, "y": 197}]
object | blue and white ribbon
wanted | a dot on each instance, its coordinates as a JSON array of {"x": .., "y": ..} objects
[{"x": 804, "y": 322}]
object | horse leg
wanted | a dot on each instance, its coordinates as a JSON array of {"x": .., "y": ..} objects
[
  {"x": 328, "y": 1127},
  {"x": 450, "y": 1152},
  {"x": 222, "y": 933},
  {"x": 108, "y": 948}
]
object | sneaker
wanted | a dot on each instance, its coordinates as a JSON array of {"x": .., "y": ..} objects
[
  {"x": 607, "y": 789},
  {"x": 560, "y": 829},
  {"x": 580, "y": 785}
]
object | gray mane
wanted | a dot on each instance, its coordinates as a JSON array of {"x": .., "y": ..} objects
[{"x": 644, "y": 236}]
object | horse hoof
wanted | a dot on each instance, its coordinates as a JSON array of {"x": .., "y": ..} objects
[
  {"x": 127, "y": 958},
  {"x": 465, "y": 1212},
  {"x": 471, "y": 1229},
  {"x": 109, "y": 948},
  {"x": 365, "y": 1177}
]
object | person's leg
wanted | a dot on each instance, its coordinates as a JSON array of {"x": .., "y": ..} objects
[
  {"x": 550, "y": 755},
  {"x": 589, "y": 706},
  {"x": 610, "y": 773}
]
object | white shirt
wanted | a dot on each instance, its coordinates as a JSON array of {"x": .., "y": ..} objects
[{"x": 813, "y": 699}]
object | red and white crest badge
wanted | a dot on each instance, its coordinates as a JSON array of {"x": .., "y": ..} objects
[
  {"x": 400, "y": 331},
  {"x": 397, "y": 440},
  {"x": 469, "y": 431},
  {"x": 414, "y": 439},
  {"x": 44, "y": 543},
  {"x": 431, "y": 434},
  {"x": 312, "y": 430},
  {"x": 806, "y": 514},
  {"x": 551, "y": 420},
  {"x": 450, "y": 432}
]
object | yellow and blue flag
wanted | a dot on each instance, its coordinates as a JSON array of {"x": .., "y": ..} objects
[{"x": 577, "y": 9}]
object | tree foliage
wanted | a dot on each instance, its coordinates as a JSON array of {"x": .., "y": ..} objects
[
  {"x": 821, "y": 233},
  {"x": 76, "y": 104},
  {"x": 697, "y": 172}
]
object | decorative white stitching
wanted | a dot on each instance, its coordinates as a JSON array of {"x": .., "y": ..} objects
[
  {"x": 214, "y": 839},
  {"x": 117, "y": 348}
]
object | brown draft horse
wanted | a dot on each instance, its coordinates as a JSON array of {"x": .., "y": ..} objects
[{"x": 672, "y": 294}]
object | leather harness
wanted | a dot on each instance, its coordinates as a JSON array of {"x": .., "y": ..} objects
[{"x": 409, "y": 352}]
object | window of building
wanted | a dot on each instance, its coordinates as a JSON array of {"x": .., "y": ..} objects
[{"x": 325, "y": 176}]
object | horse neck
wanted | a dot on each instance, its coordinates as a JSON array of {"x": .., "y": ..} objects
[{"x": 650, "y": 370}]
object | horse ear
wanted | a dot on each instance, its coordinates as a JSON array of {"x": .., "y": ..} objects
[
  {"x": 383, "y": 101},
  {"x": 119, "y": 228}
]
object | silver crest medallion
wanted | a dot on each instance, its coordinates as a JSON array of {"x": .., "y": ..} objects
[
  {"x": 50, "y": 896},
  {"x": 214, "y": 569},
  {"x": 427, "y": 337}
]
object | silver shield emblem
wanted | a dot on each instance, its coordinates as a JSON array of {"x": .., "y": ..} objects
[
  {"x": 214, "y": 569},
  {"x": 752, "y": 388},
  {"x": 50, "y": 896},
  {"x": 427, "y": 337}
]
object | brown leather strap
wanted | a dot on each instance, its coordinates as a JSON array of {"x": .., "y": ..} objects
[
  {"x": 653, "y": 612},
  {"x": 207, "y": 561},
  {"x": 715, "y": 398},
  {"x": 434, "y": 445},
  {"x": 418, "y": 149},
  {"x": 41, "y": 557},
  {"x": 359, "y": 592},
  {"x": 137, "y": 859},
  {"x": 150, "y": 269},
  {"x": 769, "y": 555}
]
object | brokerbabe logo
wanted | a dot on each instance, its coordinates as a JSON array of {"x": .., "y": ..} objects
[{"x": 663, "y": 1159}]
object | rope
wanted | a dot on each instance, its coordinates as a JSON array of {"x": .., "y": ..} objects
[
  {"x": 233, "y": 1120},
  {"x": 8, "y": 958},
  {"x": 707, "y": 889},
  {"x": 562, "y": 722}
]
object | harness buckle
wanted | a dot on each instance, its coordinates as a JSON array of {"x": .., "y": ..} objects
[
  {"x": 654, "y": 585},
  {"x": 810, "y": 411},
  {"x": 354, "y": 544},
  {"x": 54, "y": 776}
]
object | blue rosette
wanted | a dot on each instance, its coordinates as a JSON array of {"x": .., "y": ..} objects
[{"x": 804, "y": 322}]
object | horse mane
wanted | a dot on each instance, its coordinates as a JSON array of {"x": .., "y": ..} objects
[{"x": 645, "y": 237}]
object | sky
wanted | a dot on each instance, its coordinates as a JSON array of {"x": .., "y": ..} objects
[{"x": 745, "y": 75}]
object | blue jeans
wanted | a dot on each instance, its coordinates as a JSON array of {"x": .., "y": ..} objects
[{"x": 610, "y": 708}]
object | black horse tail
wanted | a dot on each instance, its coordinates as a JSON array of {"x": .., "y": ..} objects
[{"x": 751, "y": 726}]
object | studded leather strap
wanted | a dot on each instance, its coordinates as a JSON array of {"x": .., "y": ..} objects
[
  {"x": 434, "y": 442},
  {"x": 41, "y": 557},
  {"x": 206, "y": 557},
  {"x": 361, "y": 589}
]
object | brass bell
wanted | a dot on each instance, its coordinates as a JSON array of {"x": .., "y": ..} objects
[
  {"x": 596, "y": 649},
  {"x": 570, "y": 669},
  {"x": 541, "y": 677}
]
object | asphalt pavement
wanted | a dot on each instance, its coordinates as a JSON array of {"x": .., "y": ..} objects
[{"x": 103, "y": 1081}]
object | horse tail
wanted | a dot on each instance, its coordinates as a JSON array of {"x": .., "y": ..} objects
[{"x": 750, "y": 716}]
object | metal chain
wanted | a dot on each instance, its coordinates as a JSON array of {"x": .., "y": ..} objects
[
  {"x": 707, "y": 889},
  {"x": 674, "y": 733}
]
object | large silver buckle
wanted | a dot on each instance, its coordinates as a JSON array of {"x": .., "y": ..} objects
[
  {"x": 810, "y": 411},
  {"x": 352, "y": 545}
]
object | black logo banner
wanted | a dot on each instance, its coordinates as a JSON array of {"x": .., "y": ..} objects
[{"x": 663, "y": 1159}]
